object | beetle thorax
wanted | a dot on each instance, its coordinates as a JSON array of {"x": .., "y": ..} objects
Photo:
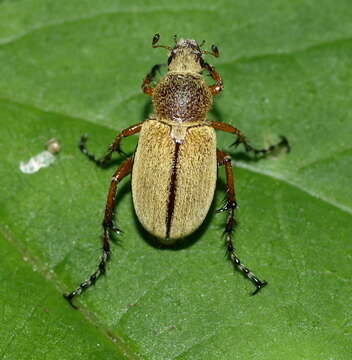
[{"x": 182, "y": 97}]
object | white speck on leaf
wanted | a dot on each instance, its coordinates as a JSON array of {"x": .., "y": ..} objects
[
  {"x": 41, "y": 160},
  {"x": 35, "y": 163}
]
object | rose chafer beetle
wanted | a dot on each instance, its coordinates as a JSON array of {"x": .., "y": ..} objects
[{"x": 174, "y": 168}]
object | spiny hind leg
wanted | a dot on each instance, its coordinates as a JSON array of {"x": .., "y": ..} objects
[
  {"x": 108, "y": 227},
  {"x": 230, "y": 206}
]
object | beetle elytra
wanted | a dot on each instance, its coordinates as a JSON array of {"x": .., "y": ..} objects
[{"x": 174, "y": 168}]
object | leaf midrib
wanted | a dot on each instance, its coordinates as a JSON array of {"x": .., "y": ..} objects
[{"x": 58, "y": 285}]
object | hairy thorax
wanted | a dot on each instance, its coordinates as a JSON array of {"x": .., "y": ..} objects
[{"x": 182, "y": 97}]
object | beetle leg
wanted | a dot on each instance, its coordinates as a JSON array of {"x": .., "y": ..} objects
[
  {"x": 230, "y": 206},
  {"x": 108, "y": 226},
  {"x": 225, "y": 159},
  {"x": 146, "y": 86},
  {"x": 115, "y": 146},
  {"x": 241, "y": 138},
  {"x": 218, "y": 86}
]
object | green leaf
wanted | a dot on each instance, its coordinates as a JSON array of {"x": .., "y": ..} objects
[{"x": 74, "y": 67}]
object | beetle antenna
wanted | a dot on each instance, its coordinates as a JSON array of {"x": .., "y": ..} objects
[
  {"x": 175, "y": 39},
  {"x": 156, "y": 38},
  {"x": 214, "y": 51},
  {"x": 202, "y": 43}
]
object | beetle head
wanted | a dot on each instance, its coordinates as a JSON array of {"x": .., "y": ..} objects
[{"x": 186, "y": 55}]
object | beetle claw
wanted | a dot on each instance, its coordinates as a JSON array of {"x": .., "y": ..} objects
[
  {"x": 259, "y": 286},
  {"x": 69, "y": 298}
]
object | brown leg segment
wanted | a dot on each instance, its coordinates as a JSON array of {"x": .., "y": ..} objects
[
  {"x": 108, "y": 226},
  {"x": 115, "y": 146},
  {"x": 146, "y": 86},
  {"x": 219, "y": 86},
  {"x": 217, "y": 125},
  {"x": 225, "y": 159},
  {"x": 230, "y": 206}
]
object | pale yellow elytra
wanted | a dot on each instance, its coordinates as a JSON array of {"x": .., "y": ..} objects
[
  {"x": 174, "y": 168},
  {"x": 193, "y": 170}
]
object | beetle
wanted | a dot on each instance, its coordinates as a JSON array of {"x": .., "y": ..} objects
[{"x": 174, "y": 167}]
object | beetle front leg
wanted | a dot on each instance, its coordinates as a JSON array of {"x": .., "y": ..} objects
[
  {"x": 115, "y": 146},
  {"x": 146, "y": 86},
  {"x": 230, "y": 206},
  {"x": 218, "y": 86},
  {"x": 108, "y": 226},
  {"x": 241, "y": 138}
]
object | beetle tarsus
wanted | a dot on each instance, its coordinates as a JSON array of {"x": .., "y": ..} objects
[
  {"x": 100, "y": 162},
  {"x": 259, "y": 284},
  {"x": 283, "y": 143},
  {"x": 95, "y": 276},
  {"x": 241, "y": 139}
]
